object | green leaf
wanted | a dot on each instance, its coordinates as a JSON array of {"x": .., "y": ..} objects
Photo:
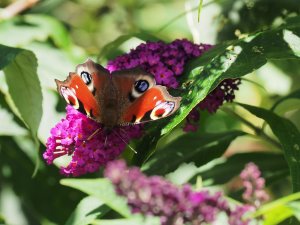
[
  {"x": 199, "y": 9},
  {"x": 295, "y": 207},
  {"x": 20, "y": 68},
  {"x": 8, "y": 55},
  {"x": 222, "y": 170},
  {"x": 278, "y": 210},
  {"x": 295, "y": 94},
  {"x": 108, "y": 50},
  {"x": 135, "y": 220},
  {"x": 289, "y": 137},
  {"x": 101, "y": 189},
  {"x": 10, "y": 124},
  {"x": 232, "y": 60},
  {"x": 190, "y": 147},
  {"x": 87, "y": 211},
  {"x": 22, "y": 30}
]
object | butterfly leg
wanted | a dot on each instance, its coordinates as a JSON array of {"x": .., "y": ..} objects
[{"x": 92, "y": 135}]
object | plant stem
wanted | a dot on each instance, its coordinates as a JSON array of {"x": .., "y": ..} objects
[
  {"x": 16, "y": 7},
  {"x": 258, "y": 131}
]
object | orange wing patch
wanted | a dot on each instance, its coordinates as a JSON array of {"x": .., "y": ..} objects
[
  {"x": 76, "y": 93},
  {"x": 154, "y": 104}
]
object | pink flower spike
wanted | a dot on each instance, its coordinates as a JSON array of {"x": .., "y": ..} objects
[
  {"x": 159, "y": 197},
  {"x": 254, "y": 185},
  {"x": 69, "y": 137}
]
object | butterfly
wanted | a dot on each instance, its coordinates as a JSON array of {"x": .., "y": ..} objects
[{"x": 119, "y": 98}]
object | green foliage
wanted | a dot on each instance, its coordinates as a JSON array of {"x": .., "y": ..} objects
[
  {"x": 135, "y": 220},
  {"x": 20, "y": 69},
  {"x": 222, "y": 170},
  {"x": 50, "y": 39},
  {"x": 190, "y": 147},
  {"x": 289, "y": 137},
  {"x": 101, "y": 189},
  {"x": 280, "y": 209},
  {"x": 87, "y": 211},
  {"x": 229, "y": 60}
]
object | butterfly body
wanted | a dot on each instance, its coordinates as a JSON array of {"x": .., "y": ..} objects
[{"x": 118, "y": 98}]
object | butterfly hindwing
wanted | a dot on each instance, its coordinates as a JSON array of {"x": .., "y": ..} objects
[
  {"x": 155, "y": 103},
  {"x": 145, "y": 101}
]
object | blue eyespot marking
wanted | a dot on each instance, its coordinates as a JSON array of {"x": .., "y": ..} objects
[
  {"x": 86, "y": 77},
  {"x": 141, "y": 86}
]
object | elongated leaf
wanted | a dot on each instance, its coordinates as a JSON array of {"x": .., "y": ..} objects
[
  {"x": 7, "y": 55},
  {"x": 101, "y": 189},
  {"x": 20, "y": 68},
  {"x": 22, "y": 30},
  {"x": 191, "y": 147},
  {"x": 278, "y": 210},
  {"x": 289, "y": 137},
  {"x": 229, "y": 60},
  {"x": 135, "y": 220},
  {"x": 295, "y": 94},
  {"x": 87, "y": 211},
  {"x": 234, "y": 59},
  {"x": 10, "y": 123},
  {"x": 223, "y": 170},
  {"x": 108, "y": 49}
]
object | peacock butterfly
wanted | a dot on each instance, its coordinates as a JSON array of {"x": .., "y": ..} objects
[{"x": 119, "y": 98}]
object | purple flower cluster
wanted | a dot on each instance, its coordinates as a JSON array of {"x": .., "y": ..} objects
[
  {"x": 254, "y": 185},
  {"x": 224, "y": 92},
  {"x": 174, "y": 205},
  {"x": 166, "y": 62},
  {"x": 70, "y": 135}
]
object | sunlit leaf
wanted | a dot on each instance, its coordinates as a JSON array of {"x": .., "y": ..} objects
[
  {"x": 135, "y": 220},
  {"x": 108, "y": 50},
  {"x": 87, "y": 211},
  {"x": 20, "y": 31},
  {"x": 20, "y": 68},
  {"x": 278, "y": 210},
  {"x": 101, "y": 189}
]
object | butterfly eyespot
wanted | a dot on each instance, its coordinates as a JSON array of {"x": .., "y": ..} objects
[
  {"x": 86, "y": 77},
  {"x": 162, "y": 109},
  {"x": 141, "y": 86}
]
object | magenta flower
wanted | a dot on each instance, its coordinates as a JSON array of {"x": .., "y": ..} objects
[
  {"x": 166, "y": 62},
  {"x": 254, "y": 185},
  {"x": 69, "y": 137},
  {"x": 174, "y": 205}
]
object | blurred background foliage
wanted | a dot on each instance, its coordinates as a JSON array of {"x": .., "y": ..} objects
[{"x": 63, "y": 34}]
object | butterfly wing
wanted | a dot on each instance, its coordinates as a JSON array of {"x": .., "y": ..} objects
[
  {"x": 143, "y": 100},
  {"x": 81, "y": 88}
]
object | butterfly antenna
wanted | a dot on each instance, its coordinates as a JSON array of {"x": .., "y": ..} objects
[{"x": 131, "y": 148}]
